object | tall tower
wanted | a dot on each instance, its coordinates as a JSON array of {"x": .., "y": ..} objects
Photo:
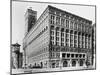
[{"x": 30, "y": 19}]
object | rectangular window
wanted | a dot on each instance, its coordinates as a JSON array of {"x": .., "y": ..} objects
[
  {"x": 71, "y": 45},
  {"x": 57, "y": 43},
  {"x": 75, "y": 37},
  {"x": 57, "y": 38},
  {"x": 57, "y": 33},
  {"x": 52, "y": 38},
  {"x": 62, "y": 44},
  {"x": 67, "y": 40},
  {"x": 52, "y": 42},
  {"x": 62, "y": 39},
  {"x": 57, "y": 55},
  {"x": 58, "y": 20},
  {"x": 62, "y": 21},
  {"x": 67, "y": 23},
  {"x": 75, "y": 26},
  {"x": 67, "y": 35},
  {"x": 71, "y": 36},
  {"x": 75, "y": 45},
  {"x": 71, "y": 25},
  {"x": 62, "y": 34},
  {"x": 52, "y": 32},
  {"x": 52, "y": 19},
  {"x": 67, "y": 44}
]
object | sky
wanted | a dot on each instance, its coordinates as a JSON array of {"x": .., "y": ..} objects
[{"x": 19, "y": 9}]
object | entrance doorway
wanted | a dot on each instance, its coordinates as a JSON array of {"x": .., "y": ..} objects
[
  {"x": 73, "y": 63},
  {"x": 65, "y": 64}
]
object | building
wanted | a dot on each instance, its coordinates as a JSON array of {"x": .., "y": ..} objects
[
  {"x": 17, "y": 56},
  {"x": 57, "y": 39}
]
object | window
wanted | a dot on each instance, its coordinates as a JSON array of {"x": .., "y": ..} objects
[
  {"x": 79, "y": 27},
  {"x": 68, "y": 55},
  {"x": 67, "y": 23},
  {"x": 63, "y": 55},
  {"x": 53, "y": 54},
  {"x": 71, "y": 41},
  {"x": 76, "y": 55},
  {"x": 71, "y": 36},
  {"x": 57, "y": 43},
  {"x": 52, "y": 32},
  {"x": 52, "y": 42},
  {"x": 84, "y": 27},
  {"x": 72, "y": 55},
  {"x": 58, "y": 20},
  {"x": 75, "y": 37},
  {"x": 71, "y": 45},
  {"x": 62, "y": 44},
  {"x": 71, "y": 25},
  {"x": 75, "y": 41},
  {"x": 57, "y": 55},
  {"x": 62, "y": 34},
  {"x": 67, "y": 44},
  {"x": 57, "y": 34},
  {"x": 67, "y": 40},
  {"x": 75, "y": 26},
  {"x": 62, "y": 39},
  {"x": 83, "y": 55},
  {"x": 52, "y": 19},
  {"x": 52, "y": 38},
  {"x": 67, "y": 35},
  {"x": 62, "y": 21},
  {"x": 75, "y": 45},
  {"x": 57, "y": 38}
]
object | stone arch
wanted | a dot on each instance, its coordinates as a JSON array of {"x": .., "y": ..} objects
[
  {"x": 73, "y": 63},
  {"x": 65, "y": 64}
]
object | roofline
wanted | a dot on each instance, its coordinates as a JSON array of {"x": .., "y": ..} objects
[{"x": 69, "y": 13}]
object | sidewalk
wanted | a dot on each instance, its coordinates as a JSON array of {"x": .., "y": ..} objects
[{"x": 18, "y": 71}]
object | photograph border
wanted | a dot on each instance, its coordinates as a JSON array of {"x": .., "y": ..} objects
[{"x": 53, "y": 3}]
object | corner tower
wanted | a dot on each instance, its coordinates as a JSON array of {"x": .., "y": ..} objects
[{"x": 30, "y": 19}]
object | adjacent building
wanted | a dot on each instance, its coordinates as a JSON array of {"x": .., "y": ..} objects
[
  {"x": 57, "y": 39},
  {"x": 17, "y": 56}
]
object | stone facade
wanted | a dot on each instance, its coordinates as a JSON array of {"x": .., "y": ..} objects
[{"x": 59, "y": 39}]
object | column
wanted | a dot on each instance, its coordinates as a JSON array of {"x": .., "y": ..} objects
[
  {"x": 84, "y": 64},
  {"x": 60, "y": 36},
  {"x": 64, "y": 37},
  {"x": 60, "y": 62},
  {"x": 73, "y": 38},
  {"x": 54, "y": 35},
  {"x": 87, "y": 42},
  {"x": 81, "y": 40},
  {"x": 69, "y": 38},
  {"x": 77, "y": 63},
  {"x": 70, "y": 63},
  {"x": 90, "y": 42},
  {"x": 77, "y": 39},
  {"x": 84, "y": 41}
]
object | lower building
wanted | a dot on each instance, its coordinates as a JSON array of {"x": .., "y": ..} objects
[{"x": 16, "y": 56}]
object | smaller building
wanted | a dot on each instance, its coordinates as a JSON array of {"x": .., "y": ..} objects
[{"x": 17, "y": 56}]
